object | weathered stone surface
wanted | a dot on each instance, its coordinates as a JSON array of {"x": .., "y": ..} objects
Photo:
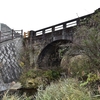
[
  {"x": 10, "y": 70},
  {"x": 66, "y": 60},
  {"x": 15, "y": 85}
]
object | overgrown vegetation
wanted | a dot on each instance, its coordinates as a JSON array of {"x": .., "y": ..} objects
[
  {"x": 34, "y": 78},
  {"x": 8, "y": 96},
  {"x": 31, "y": 76},
  {"x": 68, "y": 89},
  {"x": 87, "y": 43},
  {"x": 25, "y": 54}
]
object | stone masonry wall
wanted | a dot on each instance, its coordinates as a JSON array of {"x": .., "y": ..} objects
[{"x": 9, "y": 68}]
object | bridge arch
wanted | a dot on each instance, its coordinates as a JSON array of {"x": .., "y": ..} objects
[{"x": 50, "y": 55}]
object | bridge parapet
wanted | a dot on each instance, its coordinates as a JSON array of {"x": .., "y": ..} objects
[
  {"x": 10, "y": 35},
  {"x": 61, "y": 30}
]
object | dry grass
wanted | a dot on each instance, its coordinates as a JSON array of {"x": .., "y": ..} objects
[{"x": 69, "y": 89}]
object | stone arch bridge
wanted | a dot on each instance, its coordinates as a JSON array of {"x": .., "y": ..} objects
[{"x": 48, "y": 42}]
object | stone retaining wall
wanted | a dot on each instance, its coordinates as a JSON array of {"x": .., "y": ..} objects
[{"x": 9, "y": 52}]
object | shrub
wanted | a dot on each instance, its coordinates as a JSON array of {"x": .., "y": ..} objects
[
  {"x": 8, "y": 96},
  {"x": 87, "y": 40},
  {"x": 69, "y": 89},
  {"x": 35, "y": 77},
  {"x": 79, "y": 65}
]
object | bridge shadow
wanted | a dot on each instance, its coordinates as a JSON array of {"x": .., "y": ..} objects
[{"x": 51, "y": 55}]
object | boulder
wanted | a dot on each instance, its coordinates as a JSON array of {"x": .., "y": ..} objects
[{"x": 76, "y": 65}]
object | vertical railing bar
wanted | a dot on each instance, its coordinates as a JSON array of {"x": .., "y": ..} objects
[
  {"x": 12, "y": 34},
  {"x": 53, "y": 30},
  {"x": 63, "y": 32},
  {"x": 0, "y": 36},
  {"x": 43, "y": 34},
  {"x": 21, "y": 33}
]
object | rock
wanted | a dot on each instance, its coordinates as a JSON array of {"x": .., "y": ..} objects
[
  {"x": 7, "y": 86},
  {"x": 64, "y": 61},
  {"x": 75, "y": 65},
  {"x": 79, "y": 59},
  {"x": 3, "y": 86},
  {"x": 15, "y": 86}
]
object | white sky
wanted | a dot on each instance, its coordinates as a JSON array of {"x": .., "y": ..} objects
[{"x": 37, "y": 14}]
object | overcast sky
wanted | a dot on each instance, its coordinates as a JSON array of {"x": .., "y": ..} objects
[{"x": 37, "y": 14}]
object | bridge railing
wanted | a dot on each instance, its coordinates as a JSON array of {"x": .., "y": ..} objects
[
  {"x": 60, "y": 26},
  {"x": 9, "y": 35}
]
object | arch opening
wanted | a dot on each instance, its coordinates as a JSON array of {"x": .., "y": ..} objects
[{"x": 51, "y": 55}]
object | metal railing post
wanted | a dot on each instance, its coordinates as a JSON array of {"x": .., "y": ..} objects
[
  {"x": 21, "y": 33},
  {"x": 52, "y": 34},
  {"x": 43, "y": 38},
  {"x": 0, "y": 36},
  {"x": 64, "y": 31},
  {"x": 12, "y": 34},
  {"x": 78, "y": 21}
]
